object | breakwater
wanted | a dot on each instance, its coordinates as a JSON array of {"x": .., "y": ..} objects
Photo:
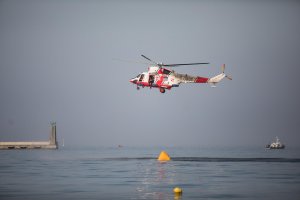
[{"x": 50, "y": 144}]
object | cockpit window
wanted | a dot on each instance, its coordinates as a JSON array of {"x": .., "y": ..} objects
[{"x": 141, "y": 78}]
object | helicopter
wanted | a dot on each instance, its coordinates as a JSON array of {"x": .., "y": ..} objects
[{"x": 163, "y": 78}]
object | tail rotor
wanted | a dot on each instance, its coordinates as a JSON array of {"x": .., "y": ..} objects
[
  {"x": 228, "y": 77},
  {"x": 216, "y": 79},
  {"x": 223, "y": 72}
]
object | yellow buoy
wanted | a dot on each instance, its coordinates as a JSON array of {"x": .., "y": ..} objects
[
  {"x": 177, "y": 190},
  {"x": 163, "y": 156}
]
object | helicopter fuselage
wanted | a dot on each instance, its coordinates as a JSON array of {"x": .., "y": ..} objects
[{"x": 164, "y": 78}]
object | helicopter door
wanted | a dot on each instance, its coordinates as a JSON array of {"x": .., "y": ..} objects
[
  {"x": 151, "y": 79},
  {"x": 166, "y": 80}
]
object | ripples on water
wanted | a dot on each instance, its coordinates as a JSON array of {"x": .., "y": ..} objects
[{"x": 134, "y": 173}]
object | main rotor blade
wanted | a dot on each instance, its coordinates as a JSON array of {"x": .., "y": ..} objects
[
  {"x": 149, "y": 59},
  {"x": 175, "y": 65},
  {"x": 129, "y": 61},
  {"x": 172, "y": 65}
]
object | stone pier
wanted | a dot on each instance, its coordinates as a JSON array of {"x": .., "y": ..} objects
[{"x": 50, "y": 144}]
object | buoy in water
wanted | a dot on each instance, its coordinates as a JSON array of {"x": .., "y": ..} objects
[
  {"x": 177, "y": 190},
  {"x": 163, "y": 156}
]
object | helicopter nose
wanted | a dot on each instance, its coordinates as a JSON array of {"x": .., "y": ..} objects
[{"x": 132, "y": 80}]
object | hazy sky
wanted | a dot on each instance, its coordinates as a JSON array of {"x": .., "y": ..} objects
[{"x": 57, "y": 64}]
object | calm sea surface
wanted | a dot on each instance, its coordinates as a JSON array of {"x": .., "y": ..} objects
[{"x": 134, "y": 173}]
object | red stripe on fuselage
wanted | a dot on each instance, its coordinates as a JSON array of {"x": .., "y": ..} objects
[
  {"x": 160, "y": 80},
  {"x": 201, "y": 80}
]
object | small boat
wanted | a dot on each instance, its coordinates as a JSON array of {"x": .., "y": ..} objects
[{"x": 275, "y": 145}]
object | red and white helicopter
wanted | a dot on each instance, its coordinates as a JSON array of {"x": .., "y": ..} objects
[{"x": 162, "y": 78}]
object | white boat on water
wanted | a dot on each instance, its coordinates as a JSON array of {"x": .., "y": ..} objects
[{"x": 275, "y": 145}]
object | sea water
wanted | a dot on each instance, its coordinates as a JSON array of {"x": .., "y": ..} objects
[{"x": 134, "y": 173}]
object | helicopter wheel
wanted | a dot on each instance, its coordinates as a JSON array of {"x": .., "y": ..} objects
[
  {"x": 162, "y": 90},
  {"x": 138, "y": 88}
]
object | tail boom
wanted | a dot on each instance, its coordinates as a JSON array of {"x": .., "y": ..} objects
[
  {"x": 184, "y": 78},
  {"x": 218, "y": 78}
]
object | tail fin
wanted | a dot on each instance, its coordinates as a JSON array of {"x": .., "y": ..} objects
[
  {"x": 216, "y": 79},
  {"x": 223, "y": 68},
  {"x": 223, "y": 71}
]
